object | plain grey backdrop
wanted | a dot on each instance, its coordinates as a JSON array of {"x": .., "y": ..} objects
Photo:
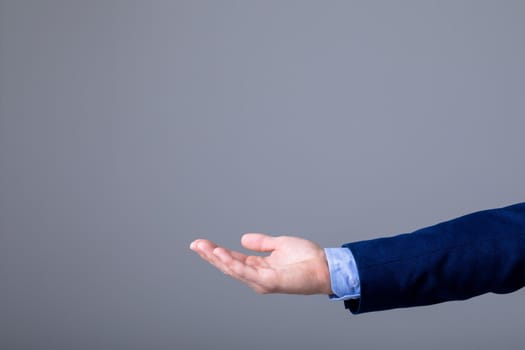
[{"x": 130, "y": 128}]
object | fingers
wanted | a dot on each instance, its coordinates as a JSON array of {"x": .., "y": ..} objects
[
  {"x": 205, "y": 249},
  {"x": 232, "y": 263},
  {"x": 259, "y": 242},
  {"x": 229, "y": 262},
  {"x": 238, "y": 268}
]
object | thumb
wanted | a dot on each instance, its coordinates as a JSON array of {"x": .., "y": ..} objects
[{"x": 259, "y": 242}]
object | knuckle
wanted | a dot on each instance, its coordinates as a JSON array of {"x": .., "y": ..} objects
[
  {"x": 269, "y": 290},
  {"x": 226, "y": 272},
  {"x": 260, "y": 290}
]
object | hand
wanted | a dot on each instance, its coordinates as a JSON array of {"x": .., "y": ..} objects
[{"x": 294, "y": 266}]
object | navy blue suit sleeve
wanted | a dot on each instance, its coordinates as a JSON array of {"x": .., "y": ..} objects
[{"x": 454, "y": 260}]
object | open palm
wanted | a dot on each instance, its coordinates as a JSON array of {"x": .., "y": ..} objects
[{"x": 294, "y": 266}]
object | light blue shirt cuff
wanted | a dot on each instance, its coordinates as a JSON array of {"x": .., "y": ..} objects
[{"x": 343, "y": 274}]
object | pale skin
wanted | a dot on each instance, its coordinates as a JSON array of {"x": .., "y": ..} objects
[{"x": 294, "y": 265}]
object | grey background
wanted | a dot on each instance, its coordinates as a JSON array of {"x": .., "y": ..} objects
[{"x": 128, "y": 129}]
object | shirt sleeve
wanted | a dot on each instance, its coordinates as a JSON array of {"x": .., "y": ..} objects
[{"x": 344, "y": 278}]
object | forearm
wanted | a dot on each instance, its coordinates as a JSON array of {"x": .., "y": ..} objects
[{"x": 458, "y": 259}]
